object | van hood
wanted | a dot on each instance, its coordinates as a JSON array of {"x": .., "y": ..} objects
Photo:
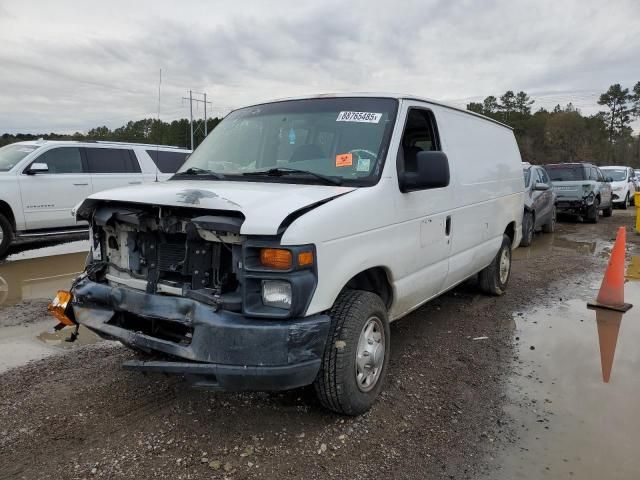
[{"x": 264, "y": 205}]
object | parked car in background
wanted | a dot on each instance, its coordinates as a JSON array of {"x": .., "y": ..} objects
[
  {"x": 295, "y": 233},
  {"x": 581, "y": 189},
  {"x": 623, "y": 185},
  {"x": 539, "y": 203},
  {"x": 41, "y": 181}
]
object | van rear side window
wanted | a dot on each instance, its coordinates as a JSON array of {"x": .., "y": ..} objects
[
  {"x": 112, "y": 160},
  {"x": 167, "y": 162}
]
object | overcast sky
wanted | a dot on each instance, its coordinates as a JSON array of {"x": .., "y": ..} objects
[{"x": 69, "y": 66}]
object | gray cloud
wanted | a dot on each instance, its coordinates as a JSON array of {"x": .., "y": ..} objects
[{"x": 67, "y": 69}]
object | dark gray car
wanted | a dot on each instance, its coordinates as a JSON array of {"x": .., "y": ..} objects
[
  {"x": 539, "y": 203},
  {"x": 581, "y": 189}
]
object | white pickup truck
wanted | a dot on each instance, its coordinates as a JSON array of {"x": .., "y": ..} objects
[
  {"x": 41, "y": 181},
  {"x": 292, "y": 236}
]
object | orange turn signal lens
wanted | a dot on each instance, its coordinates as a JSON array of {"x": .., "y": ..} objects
[
  {"x": 58, "y": 306},
  {"x": 305, "y": 259},
  {"x": 276, "y": 258}
]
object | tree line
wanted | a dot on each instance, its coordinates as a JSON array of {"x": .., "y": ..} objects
[
  {"x": 148, "y": 130},
  {"x": 564, "y": 134}
]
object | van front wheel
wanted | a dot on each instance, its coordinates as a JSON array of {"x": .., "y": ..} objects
[
  {"x": 356, "y": 356},
  {"x": 494, "y": 278}
]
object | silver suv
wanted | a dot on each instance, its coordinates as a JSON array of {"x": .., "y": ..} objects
[{"x": 581, "y": 189}]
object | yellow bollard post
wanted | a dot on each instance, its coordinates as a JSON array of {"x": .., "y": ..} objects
[{"x": 636, "y": 202}]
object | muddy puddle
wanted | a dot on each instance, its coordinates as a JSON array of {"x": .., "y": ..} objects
[
  {"x": 574, "y": 395},
  {"x": 547, "y": 243},
  {"x": 20, "y": 344},
  {"x": 41, "y": 276}
]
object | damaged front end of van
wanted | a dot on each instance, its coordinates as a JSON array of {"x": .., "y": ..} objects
[{"x": 221, "y": 308}]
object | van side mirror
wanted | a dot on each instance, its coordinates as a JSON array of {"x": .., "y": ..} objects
[
  {"x": 38, "y": 168},
  {"x": 432, "y": 171},
  {"x": 541, "y": 186}
]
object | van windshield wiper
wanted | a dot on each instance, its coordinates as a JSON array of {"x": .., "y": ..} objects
[
  {"x": 280, "y": 171},
  {"x": 200, "y": 171}
]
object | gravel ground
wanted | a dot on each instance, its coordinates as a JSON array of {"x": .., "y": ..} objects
[{"x": 78, "y": 415}]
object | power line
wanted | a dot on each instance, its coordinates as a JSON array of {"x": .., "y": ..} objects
[{"x": 197, "y": 100}]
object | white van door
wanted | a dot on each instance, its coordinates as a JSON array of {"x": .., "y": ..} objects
[
  {"x": 48, "y": 198},
  {"x": 424, "y": 215},
  {"x": 113, "y": 167}
]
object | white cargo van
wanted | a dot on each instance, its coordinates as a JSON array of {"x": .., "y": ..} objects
[
  {"x": 294, "y": 234},
  {"x": 41, "y": 181}
]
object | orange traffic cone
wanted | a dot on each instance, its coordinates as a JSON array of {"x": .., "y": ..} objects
[
  {"x": 611, "y": 294},
  {"x": 608, "y": 327}
]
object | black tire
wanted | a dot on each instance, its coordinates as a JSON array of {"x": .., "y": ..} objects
[
  {"x": 490, "y": 279},
  {"x": 625, "y": 204},
  {"x": 527, "y": 229},
  {"x": 594, "y": 212},
  {"x": 337, "y": 386},
  {"x": 6, "y": 234},
  {"x": 550, "y": 226},
  {"x": 607, "y": 212}
]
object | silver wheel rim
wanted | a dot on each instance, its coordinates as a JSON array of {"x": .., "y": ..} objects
[
  {"x": 370, "y": 354},
  {"x": 505, "y": 262}
]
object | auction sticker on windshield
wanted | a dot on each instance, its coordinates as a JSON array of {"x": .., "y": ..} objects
[
  {"x": 365, "y": 117},
  {"x": 344, "y": 160}
]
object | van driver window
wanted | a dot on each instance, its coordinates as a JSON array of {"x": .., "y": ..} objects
[{"x": 418, "y": 137}]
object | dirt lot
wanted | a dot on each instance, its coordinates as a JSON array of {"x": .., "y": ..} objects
[{"x": 442, "y": 415}]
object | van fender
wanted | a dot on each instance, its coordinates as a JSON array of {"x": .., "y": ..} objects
[{"x": 336, "y": 276}]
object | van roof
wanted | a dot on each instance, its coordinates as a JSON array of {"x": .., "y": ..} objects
[
  {"x": 397, "y": 96},
  {"x": 42, "y": 142}
]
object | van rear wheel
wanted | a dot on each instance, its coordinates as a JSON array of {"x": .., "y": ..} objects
[
  {"x": 356, "y": 356},
  {"x": 6, "y": 235},
  {"x": 494, "y": 278}
]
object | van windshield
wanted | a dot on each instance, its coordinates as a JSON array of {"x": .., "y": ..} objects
[
  {"x": 10, "y": 155},
  {"x": 566, "y": 173},
  {"x": 323, "y": 140},
  {"x": 616, "y": 175}
]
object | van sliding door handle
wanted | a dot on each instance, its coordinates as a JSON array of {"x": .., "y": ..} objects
[{"x": 447, "y": 227}]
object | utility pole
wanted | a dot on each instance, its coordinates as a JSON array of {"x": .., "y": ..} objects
[
  {"x": 191, "y": 116},
  {"x": 205, "y": 114},
  {"x": 197, "y": 100}
]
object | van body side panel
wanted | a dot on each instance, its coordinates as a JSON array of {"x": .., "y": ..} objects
[
  {"x": 404, "y": 233},
  {"x": 486, "y": 174}
]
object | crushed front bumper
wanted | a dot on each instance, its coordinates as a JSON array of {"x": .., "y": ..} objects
[
  {"x": 220, "y": 349},
  {"x": 574, "y": 207}
]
